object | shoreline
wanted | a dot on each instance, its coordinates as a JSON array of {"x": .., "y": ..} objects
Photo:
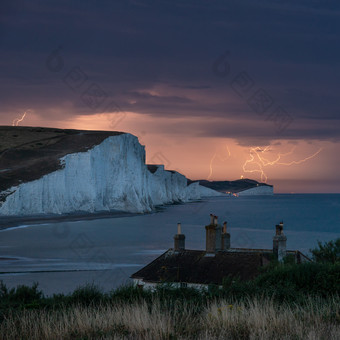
[{"x": 8, "y": 222}]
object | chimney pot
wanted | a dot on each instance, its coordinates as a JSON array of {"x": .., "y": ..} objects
[
  {"x": 211, "y": 219},
  {"x": 279, "y": 243},
  {"x": 179, "y": 239},
  {"x": 215, "y": 220},
  {"x": 224, "y": 227}
]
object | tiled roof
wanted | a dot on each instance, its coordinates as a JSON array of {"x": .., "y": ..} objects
[{"x": 195, "y": 266}]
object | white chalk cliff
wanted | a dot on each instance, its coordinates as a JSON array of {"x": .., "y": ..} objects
[{"x": 110, "y": 176}]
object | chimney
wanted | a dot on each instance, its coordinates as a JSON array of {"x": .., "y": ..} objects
[
  {"x": 179, "y": 239},
  {"x": 179, "y": 229},
  {"x": 279, "y": 242},
  {"x": 225, "y": 245},
  {"x": 224, "y": 227},
  {"x": 213, "y": 235}
]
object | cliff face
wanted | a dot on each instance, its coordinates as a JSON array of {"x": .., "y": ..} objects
[{"x": 109, "y": 176}]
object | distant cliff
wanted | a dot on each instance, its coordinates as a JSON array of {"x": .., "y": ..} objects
[
  {"x": 241, "y": 187},
  {"x": 56, "y": 171},
  {"x": 258, "y": 190}
]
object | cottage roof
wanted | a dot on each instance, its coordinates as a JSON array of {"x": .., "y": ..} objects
[{"x": 196, "y": 266}]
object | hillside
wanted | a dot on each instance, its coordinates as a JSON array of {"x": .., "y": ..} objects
[{"x": 232, "y": 186}]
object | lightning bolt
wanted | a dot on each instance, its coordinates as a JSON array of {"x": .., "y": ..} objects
[
  {"x": 220, "y": 158},
  {"x": 253, "y": 161},
  {"x": 260, "y": 162},
  {"x": 16, "y": 121},
  {"x": 229, "y": 154}
]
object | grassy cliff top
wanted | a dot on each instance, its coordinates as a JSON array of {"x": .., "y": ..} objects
[{"x": 28, "y": 153}]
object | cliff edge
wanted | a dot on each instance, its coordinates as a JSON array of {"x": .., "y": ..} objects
[{"x": 53, "y": 171}]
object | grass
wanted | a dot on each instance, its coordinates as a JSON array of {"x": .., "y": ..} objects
[
  {"x": 27, "y": 137},
  {"x": 219, "y": 319}
]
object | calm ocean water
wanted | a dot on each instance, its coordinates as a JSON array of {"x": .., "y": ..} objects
[{"x": 62, "y": 256}]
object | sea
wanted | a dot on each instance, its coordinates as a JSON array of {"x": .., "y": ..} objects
[{"x": 63, "y": 256}]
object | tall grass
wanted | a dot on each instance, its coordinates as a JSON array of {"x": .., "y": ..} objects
[
  {"x": 219, "y": 319},
  {"x": 285, "y": 302}
]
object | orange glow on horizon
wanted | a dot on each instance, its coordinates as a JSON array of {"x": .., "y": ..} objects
[{"x": 167, "y": 141}]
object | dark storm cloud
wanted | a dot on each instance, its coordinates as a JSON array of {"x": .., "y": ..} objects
[
  {"x": 193, "y": 87},
  {"x": 129, "y": 48}
]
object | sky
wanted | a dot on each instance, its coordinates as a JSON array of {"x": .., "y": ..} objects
[{"x": 216, "y": 90}]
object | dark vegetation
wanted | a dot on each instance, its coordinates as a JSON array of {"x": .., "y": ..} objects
[
  {"x": 329, "y": 252},
  {"x": 230, "y": 186}
]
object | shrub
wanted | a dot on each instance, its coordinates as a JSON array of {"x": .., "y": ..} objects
[
  {"x": 21, "y": 295},
  {"x": 88, "y": 294},
  {"x": 327, "y": 252},
  {"x": 308, "y": 278}
]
